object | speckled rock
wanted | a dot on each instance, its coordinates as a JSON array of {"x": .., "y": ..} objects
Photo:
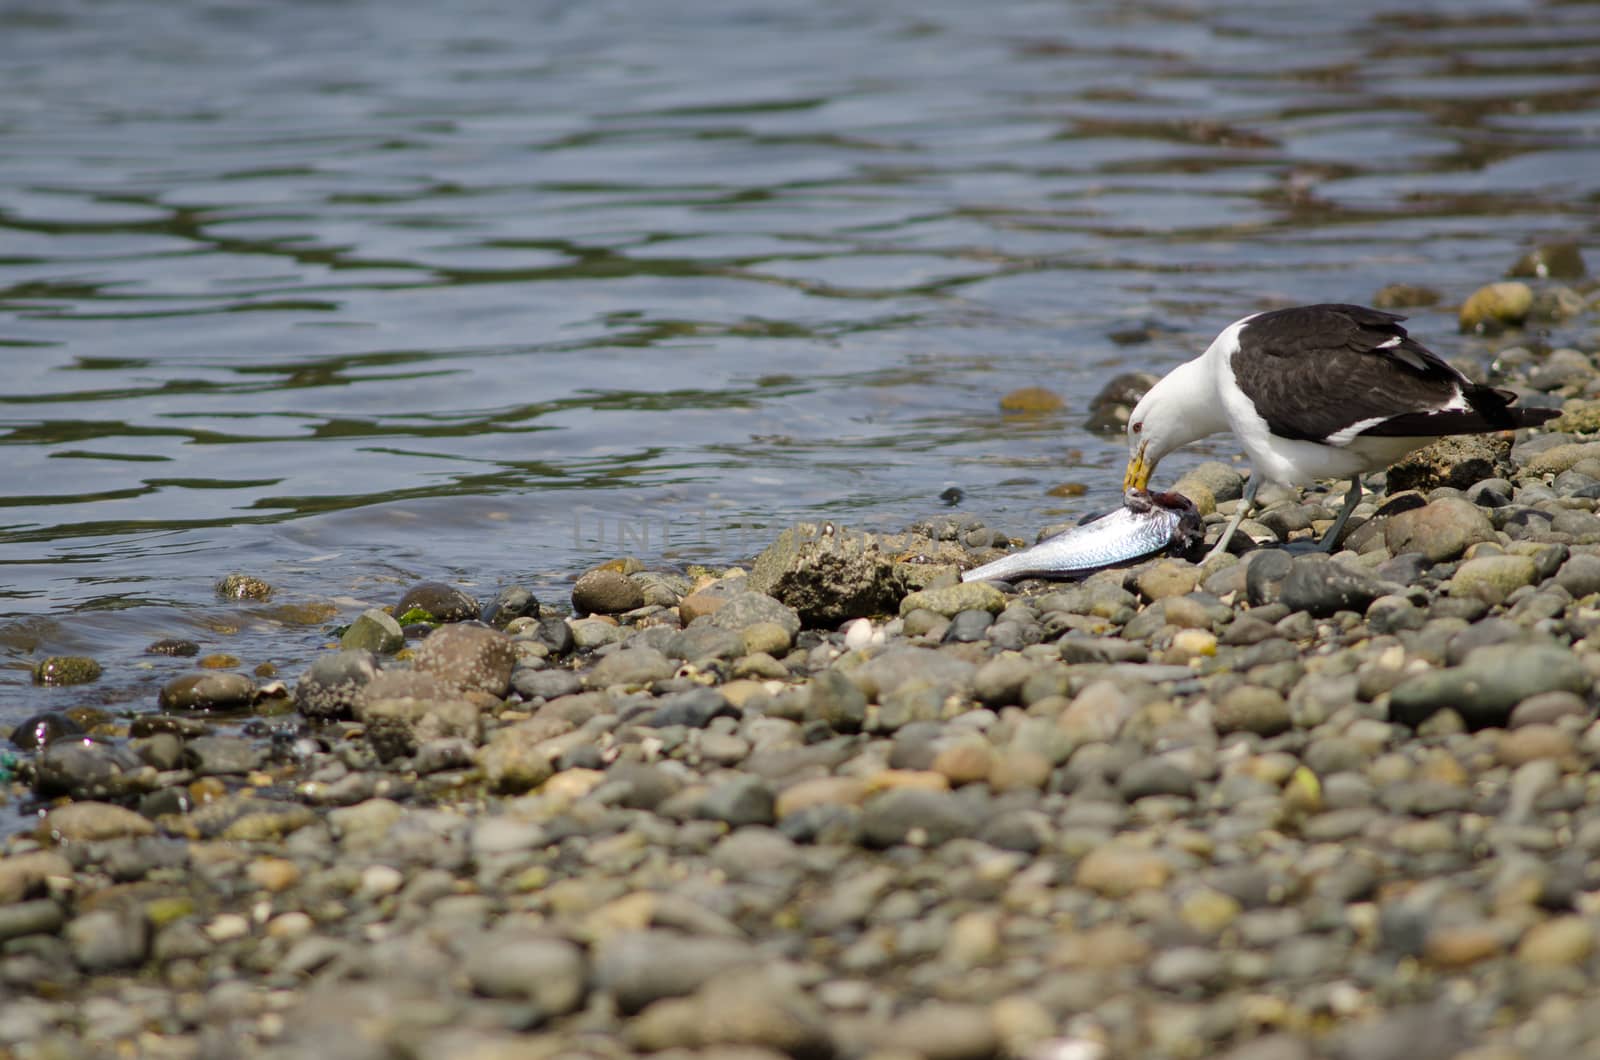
[
  {"x": 398, "y": 726},
  {"x": 471, "y": 657},
  {"x": 65, "y": 670},
  {"x": 1458, "y": 461},
  {"x": 243, "y": 587},
  {"x": 827, "y": 574},
  {"x": 329, "y": 688}
]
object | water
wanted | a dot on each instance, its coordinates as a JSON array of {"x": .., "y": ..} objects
[{"x": 347, "y": 294}]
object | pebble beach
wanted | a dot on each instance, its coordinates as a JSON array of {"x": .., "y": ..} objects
[{"x": 833, "y": 802}]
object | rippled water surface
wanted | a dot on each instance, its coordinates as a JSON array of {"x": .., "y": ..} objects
[{"x": 350, "y": 293}]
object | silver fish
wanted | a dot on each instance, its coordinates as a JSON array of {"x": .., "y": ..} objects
[{"x": 1147, "y": 522}]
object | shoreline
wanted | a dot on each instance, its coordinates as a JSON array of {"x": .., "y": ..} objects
[{"x": 1279, "y": 807}]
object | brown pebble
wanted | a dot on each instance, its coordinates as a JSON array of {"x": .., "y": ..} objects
[
  {"x": 697, "y": 605},
  {"x": 1116, "y": 870},
  {"x": 1166, "y": 578},
  {"x": 896, "y": 779},
  {"x": 1560, "y": 942},
  {"x": 274, "y": 874},
  {"x": 1031, "y": 399},
  {"x": 206, "y": 789},
  {"x": 820, "y": 791},
  {"x": 1019, "y": 768},
  {"x": 1460, "y": 945},
  {"x": 964, "y": 763},
  {"x": 1533, "y": 742}
]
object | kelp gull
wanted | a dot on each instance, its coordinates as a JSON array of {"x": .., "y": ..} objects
[{"x": 1313, "y": 392}]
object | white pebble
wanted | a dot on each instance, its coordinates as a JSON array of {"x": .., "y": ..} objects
[
  {"x": 226, "y": 927},
  {"x": 858, "y": 634},
  {"x": 378, "y": 881}
]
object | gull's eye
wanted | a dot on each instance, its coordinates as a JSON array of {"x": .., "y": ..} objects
[{"x": 1138, "y": 427}]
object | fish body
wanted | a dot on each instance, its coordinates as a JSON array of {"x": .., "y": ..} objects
[{"x": 1147, "y": 522}]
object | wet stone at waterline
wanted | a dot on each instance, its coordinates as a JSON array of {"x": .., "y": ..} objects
[
  {"x": 243, "y": 587},
  {"x": 65, "y": 670},
  {"x": 40, "y": 730},
  {"x": 207, "y": 692},
  {"x": 434, "y": 602}
]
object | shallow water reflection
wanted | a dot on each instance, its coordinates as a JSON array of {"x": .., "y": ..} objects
[{"x": 350, "y": 294}]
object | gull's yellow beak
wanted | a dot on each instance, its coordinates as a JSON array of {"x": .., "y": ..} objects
[{"x": 1137, "y": 477}]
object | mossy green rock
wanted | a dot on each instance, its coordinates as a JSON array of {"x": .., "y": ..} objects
[
  {"x": 374, "y": 631},
  {"x": 1496, "y": 306},
  {"x": 65, "y": 670}
]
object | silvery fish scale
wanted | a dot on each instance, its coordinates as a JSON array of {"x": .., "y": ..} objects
[{"x": 1146, "y": 523}]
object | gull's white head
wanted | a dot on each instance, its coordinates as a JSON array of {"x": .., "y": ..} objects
[
  {"x": 1183, "y": 407},
  {"x": 1149, "y": 438}
]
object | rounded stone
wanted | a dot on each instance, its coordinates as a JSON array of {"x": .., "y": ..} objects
[
  {"x": 471, "y": 657},
  {"x": 1493, "y": 578},
  {"x": 243, "y": 587},
  {"x": 966, "y": 762},
  {"x": 1530, "y": 743},
  {"x": 108, "y": 939},
  {"x": 630, "y": 667},
  {"x": 1561, "y": 942},
  {"x": 1559, "y": 260},
  {"x": 917, "y": 817},
  {"x": 1496, "y": 306},
  {"x": 211, "y": 691},
  {"x": 89, "y": 821},
  {"x": 510, "y": 604},
  {"x": 1166, "y": 578},
  {"x": 331, "y": 685},
  {"x": 41, "y": 730},
  {"x": 65, "y": 670},
  {"x": 1440, "y": 531},
  {"x": 1116, "y": 870},
  {"x": 374, "y": 631},
  {"x": 604, "y": 591},
  {"x": 435, "y": 602},
  {"x": 951, "y": 600},
  {"x": 1251, "y": 708},
  {"x": 550, "y": 972}
]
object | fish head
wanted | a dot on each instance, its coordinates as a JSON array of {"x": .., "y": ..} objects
[{"x": 1190, "y": 530}]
